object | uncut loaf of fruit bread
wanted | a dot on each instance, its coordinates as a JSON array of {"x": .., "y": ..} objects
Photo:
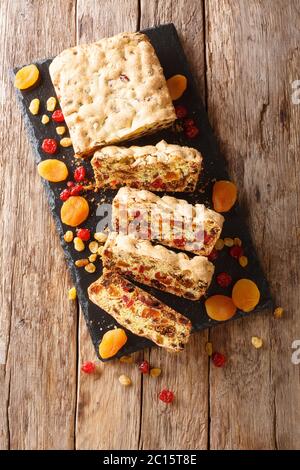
[
  {"x": 168, "y": 220},
  {"x": 163, "y": 167},
  {"x": 140, "y": 312},
  {"x": 158, "y": 266},
  {"x": 111, "y": 90}
]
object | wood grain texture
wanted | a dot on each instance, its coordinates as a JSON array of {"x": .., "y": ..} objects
[
  {"x": 108, "y": 415},
  {"x": 252, "y": 59},
  {"x": 187, "y": 373},
  {"x": 245, "y": 56},
  {"x": 38, "y": 324}
]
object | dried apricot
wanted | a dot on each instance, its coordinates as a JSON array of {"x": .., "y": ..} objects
[
  {"x": 177, "y": 86},
  {"x": 53, "y": 170},
  {"x": 26, "y": 77},
  {"x": 224, "y": 195},
  {"x": 74, "y": 211},
  {"x": 220, "y": 307},
  {"x": 112, "y": 342},
  {"x": 245, "y": 295}
]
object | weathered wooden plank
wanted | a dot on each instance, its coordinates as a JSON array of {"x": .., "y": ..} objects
[
  {"x": 38, "y": 324},
  {"x": 184, "y": 425},
  {"x": 252, "y": 58},
  {"x": 108, "y": 414}
]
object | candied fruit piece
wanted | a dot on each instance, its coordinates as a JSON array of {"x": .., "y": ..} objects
[
  {"x": 112, "y": 342},
  {"x": 220, "y": 307},
  {"x": 245, "y": 295},
  {"x": 27, "y": 77},
  {"x": 218, "y": 359},
  {"x": 144, "y": 367},
  {"x": 177, "y": 86},
  {"x": 74, "y": 211},
  {"x": 224, "y": 195},
  {"x": 167, "y": 396},
  {"x": 53, "y": 170}
]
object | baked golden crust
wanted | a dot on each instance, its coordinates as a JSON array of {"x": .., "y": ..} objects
[
  {"x": 160, "y": 167},
  {"x": 170, "y": 221},
  {"x": 157, "y": 266},
  {"x": 111, "y": 90},
  {"x": 140, "y": 312}
]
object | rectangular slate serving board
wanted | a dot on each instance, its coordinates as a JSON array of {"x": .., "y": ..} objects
[{"x": 172, "y": 58}]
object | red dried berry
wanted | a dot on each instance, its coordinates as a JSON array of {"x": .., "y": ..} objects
[
  {"x": 166, "y": 396},
  {"x": 84, "y": 234},
  {"x": 79, "y": 174},
  {"x": 49, "y": 145},
  {"x": 218, "y": 359},
  {"x": 137, "y": 214},
  {"x": 127, "y": 301},
  {"x": 213, "y": 255},
  {"x": 188, "y": 123},
  {"x": 181, "y": 111},
  {"x": 224, "y": 280},
  {"x": 179, "y": 242},
  {"x": 158, "y": 184},
  {"x": 64, "y": 195},
  {"x": 192, "y": 132},
  {"x": 144, "y": 367},
  {"x": 207, "y": 238},
  {"x": 76, "y": 190},
  {"x": 236, "y": 252},
  {"x": 70, "y": 184},
  {"x": 88, "y": 367},
  {"x": 58, "y": 116}
]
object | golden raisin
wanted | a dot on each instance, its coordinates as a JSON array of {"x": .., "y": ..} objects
[
  {"x": 219, "y": 244},
  {"x": 125, "y": 380},
  {"x": 228, "y": 242},
  {"x": 155, "y": 372},
  {"x": 72, "y": 293},
  {"x": 256, "y": 342},
  {"x": 278, "y": 312},
  {"x": 243, "y": 260},
  {"x": 68, "y": 236}
]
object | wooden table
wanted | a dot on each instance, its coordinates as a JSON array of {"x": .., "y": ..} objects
[{"x": 245, "y": 55}]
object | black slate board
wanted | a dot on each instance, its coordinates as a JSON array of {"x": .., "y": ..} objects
[{"x": 170, "y": 53}]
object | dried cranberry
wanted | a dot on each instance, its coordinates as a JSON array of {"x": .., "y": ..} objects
[
  {"x": 179, "y": 241},
  {"x": 158, "y": 184},
  {"x": 49, "y": 145},
  {"x": 141, "y": 269},
  {"x": 224, "y": 279},
  {"x": 144, "y": 367},
  {"x": 236, "y": 252},
  {"x": 64, "y": 195},
  {"x": 84, "y": 234},
  {"x": 191, "y": 132},
  {"x": 70, "y": 184},
  {"x": 218, "y": 359},
  {"x": 58, "y": 116},
  {"x": 137, "y": 214},
  {"x": 188, "y": 123},
  {"x": 127, "y": 301},
  {"x": 76, "y": 190},
  {"x": 124, "y": 78},
  {"x": 181, "y": 111},
  {"x": 88, "y": 367},
  {"x": 79, "y": 174},
  {"x": 207, "y": 238},
  {"x": 166, "y": 396},
  {"x": 213, "y": 255}
]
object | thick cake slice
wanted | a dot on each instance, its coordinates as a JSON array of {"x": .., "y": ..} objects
[
  {"x": 163, "y": 167},
  {"x": 168, "y": 220},
  {"x": 111, "y": 90},
  {"x": 158, "y": 266},
  {"x": 140, "y": 312}
]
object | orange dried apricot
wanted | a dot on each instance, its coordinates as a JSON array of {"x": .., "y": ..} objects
[
  {"x": 53, "y": 170},
  {"x": 220, "y": 307},
  {"x": 112, "y": 342},
  {"x": 245, "y": 295},
  {"x": 177, "y": 86},
  {"x": 74, "y": 211},
  {"x": 224, "y": 195},
  {"x": 26, "y": 77}
]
